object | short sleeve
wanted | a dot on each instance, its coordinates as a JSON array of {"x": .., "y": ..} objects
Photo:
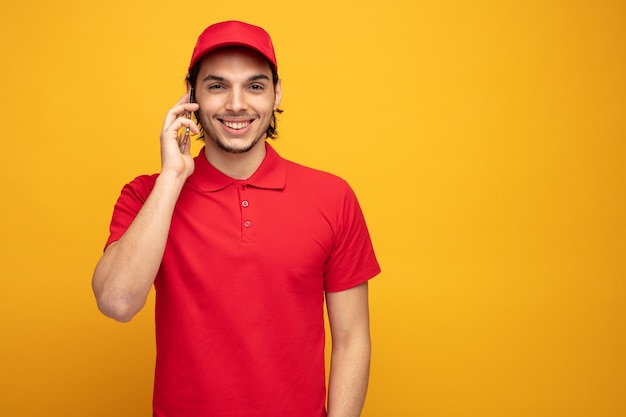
[
  {"x": 130, "y": 201},
  {"x": 352, "y": 260}
]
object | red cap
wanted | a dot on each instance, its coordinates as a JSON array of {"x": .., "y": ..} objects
[{"x": 234, "y": 33}]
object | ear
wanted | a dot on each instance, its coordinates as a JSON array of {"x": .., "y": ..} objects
[{"x": 278, "y": 94}]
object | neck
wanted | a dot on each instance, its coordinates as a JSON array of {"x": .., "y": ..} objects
[{"x": 239, "y": 166}]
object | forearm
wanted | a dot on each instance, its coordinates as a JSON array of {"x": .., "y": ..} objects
[
  {"x": 349, "y": 375},
  {"x": 123, "y": 277}
]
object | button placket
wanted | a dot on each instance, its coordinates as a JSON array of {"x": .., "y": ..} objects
[
  {"x": 247, "y": 232},
  {"x": 245, "y": 203}
]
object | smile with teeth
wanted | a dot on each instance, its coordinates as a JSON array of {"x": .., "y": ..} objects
[{"x": 236, "y": 125}]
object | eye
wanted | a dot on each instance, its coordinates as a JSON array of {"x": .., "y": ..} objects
[
  {"x": 215, "y": 87},
  {"x": 257, "y": 87}
]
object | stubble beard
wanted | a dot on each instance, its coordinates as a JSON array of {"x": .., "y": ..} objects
[{"x": 230, "y": 149}]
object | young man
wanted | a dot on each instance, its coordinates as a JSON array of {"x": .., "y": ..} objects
[{"x": 241, "y": 247}]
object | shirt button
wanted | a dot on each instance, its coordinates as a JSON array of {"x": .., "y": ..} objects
[
  {"x": 245, "y": 203},
  {"x": 247, "y": 223}
]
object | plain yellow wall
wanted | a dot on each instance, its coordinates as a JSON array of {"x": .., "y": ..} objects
[{"x": 486, "y": 141}]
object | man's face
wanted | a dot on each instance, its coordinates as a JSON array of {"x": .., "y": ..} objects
[{"x": 237, "y": 98}]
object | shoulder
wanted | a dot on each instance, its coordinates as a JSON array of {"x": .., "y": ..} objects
[
  {"x": 140, "y": 187},
  {"x": 315, "y": 179},
  {"x": 321, "y": 189}
]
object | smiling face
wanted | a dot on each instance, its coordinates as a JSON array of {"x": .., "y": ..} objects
[{"x": 237, "y": 98}]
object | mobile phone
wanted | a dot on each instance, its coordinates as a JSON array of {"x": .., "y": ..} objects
[{"x": 185, "y": 140}]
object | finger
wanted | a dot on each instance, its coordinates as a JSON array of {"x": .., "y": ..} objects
[
  {"x": 177, "y": 130},
  {"x": 183, "y": 122},
  {"x": 181, "y": 111},
  {"x": 181, "y": 108}
]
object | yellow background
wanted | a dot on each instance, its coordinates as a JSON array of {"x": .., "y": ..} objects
[{"x": 486, "y": 141}]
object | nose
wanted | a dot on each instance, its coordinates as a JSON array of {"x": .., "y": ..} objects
[{"x": 236, "y": 100}]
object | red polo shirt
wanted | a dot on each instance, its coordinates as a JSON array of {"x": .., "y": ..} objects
[{"x": 240, "y": 291}]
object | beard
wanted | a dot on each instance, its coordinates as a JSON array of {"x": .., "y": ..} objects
[{"x": 231, "y": 149}]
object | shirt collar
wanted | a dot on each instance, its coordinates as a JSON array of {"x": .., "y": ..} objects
[{"x": 271, "y": 174}]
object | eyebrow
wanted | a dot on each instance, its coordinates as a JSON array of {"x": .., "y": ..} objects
[{"x": 257, "y": 77}]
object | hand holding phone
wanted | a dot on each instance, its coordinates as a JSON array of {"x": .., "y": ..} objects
[{"x": 185, "y": 140}]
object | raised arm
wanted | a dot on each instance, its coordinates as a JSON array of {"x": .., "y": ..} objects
[
  {"x": 124, "y": 275},
  {"x": 348, "y": 314}
]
